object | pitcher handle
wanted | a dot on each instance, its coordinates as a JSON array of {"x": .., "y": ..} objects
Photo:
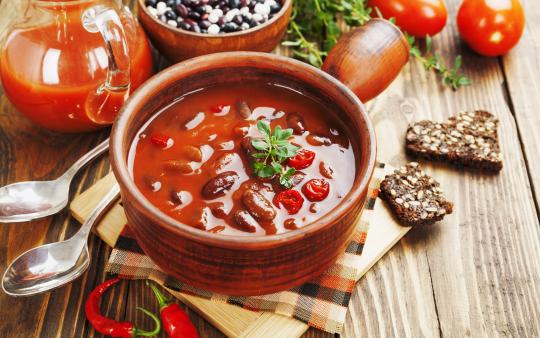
[{"x": 103, "y": 104}]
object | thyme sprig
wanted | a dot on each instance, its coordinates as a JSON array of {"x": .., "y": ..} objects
[
  {"x": 451, "y": 77},
  {"x": 273, "y": 149}
]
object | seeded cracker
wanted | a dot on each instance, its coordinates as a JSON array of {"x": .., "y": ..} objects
[
  {"x": 414, "y": 197},
  {"x": 468, "y": 139}
]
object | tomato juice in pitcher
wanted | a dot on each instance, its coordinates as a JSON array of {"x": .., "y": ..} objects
[{"x": 69, "y": 66}]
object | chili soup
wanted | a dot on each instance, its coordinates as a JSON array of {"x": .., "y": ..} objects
[{"x": 244, "y": 158}]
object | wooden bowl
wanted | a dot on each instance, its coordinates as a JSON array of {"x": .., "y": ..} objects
[
  {"x": 177, "y": 44},
  {"x": 242, "y": 265}
]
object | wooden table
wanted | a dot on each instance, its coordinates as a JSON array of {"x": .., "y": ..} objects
[{"x": 475, "y": 274}]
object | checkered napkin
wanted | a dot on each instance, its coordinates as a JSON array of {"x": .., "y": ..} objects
[{"x": 321, "y": 303}]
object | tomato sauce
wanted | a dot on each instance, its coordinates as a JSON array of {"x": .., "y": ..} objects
[
  {"x": 201, "y": 136},
  {"x": 48, "y": 72}
]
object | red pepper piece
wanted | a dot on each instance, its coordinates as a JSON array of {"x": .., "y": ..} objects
[
  {"x": 162, "y": 141},
  {"x": 175, "y": 321},
  {"x": 302, "y": 159},
  {"x": 218, "y": 108},
  {"x": 316, "y": 189},
  {"x": 109, "y": 326},
  {"x": 290, "y": 199}
]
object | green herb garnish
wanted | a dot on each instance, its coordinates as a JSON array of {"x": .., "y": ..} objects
[
  {"x": 451, "y": 77},
  {"x": 272, "y": 150},
  {"x": 313, "y": 31}
]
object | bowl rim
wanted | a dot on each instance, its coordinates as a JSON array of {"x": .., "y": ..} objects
[
  {"x": 286, "y": 5},
  {"x": 169, "y": 76}
]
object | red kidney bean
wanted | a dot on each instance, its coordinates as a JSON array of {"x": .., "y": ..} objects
[
  {"x": 200, "y": 219},
  {"x": 296, "y": 122},
  {"x": 314, "y": 207},
  {"x": 192, "y": 153},
  {"x": 256, "y": 185},
  {"x": 290, "y": 224},
  {"x": 326, "y": 170},
  {"x": 180, "y": 197},
  {"x": 179, "y": 166},
  {"x": 245, "y": 221},
  {"x": 241, "y": 129},
  {"x": 219, "y": 184},
  {"x": 218, "y": 210},
  {"x": 248, "y": 148},
  {"x": 297, "y": 178},
  {"x": 258, "y": 206},
  {"x": 152, "y": 184},
  {"x": 243, "y": 109},
  {"x": 318, "y": 140},
  {"x": 224, "y": 160}
]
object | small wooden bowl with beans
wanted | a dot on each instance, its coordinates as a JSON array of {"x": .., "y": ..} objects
[{"x": 182, "y": 29}]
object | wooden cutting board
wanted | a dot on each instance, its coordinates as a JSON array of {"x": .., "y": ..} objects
[{"x": 232, "y": 320}]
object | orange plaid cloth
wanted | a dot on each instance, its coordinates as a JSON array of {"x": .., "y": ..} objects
[{"x": 321, "y": 303}]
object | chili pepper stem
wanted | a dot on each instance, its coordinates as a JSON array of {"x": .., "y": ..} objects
[
  {"x": 157, "y": 329},
  {"x": 162, "y": 300}
]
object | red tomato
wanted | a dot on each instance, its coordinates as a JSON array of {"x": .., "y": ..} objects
[
  {"x": 416, "y": 17},
  {"x": 290, "y": 199},
  {"x": 302, "y": 159},
  {"x": 491, "y": 27},
  {"x": 316, "y": 189}
]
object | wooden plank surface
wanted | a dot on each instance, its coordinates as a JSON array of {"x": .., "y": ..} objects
[
  {"x": 476, "y": 274},
  {"x": 522, "y": 73}
]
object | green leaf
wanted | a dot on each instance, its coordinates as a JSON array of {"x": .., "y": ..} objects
[
  {"x": 259, "y": 144},
  {"x": 285, "y": 179},
  {"x": 266, "y": 171},
  {"x": 277, "y": 167},
  {"x": 277, "y": 133},
  {"x": 264, "y": 127},
  {"x": 286, "y": 133},
  {"x": 314, "y": 60}
]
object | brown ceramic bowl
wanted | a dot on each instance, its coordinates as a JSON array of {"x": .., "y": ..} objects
[
  {"x": 178, "y": 44},
  {"x": 242, "y": 265}
]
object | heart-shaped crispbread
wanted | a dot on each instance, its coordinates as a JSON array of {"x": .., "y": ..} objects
[
  {"x": 414, "y": 197},
  {"x": 468, "y": 139}
]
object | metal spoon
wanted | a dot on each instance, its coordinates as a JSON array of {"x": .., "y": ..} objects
[
  {"x": 25, "y": 201},
  {"x": 55, "y": 264}
]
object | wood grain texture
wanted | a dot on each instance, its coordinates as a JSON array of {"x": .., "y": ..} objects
[
  {"x": 477, "y": 273},
  {"x": 521, "y": 72}
]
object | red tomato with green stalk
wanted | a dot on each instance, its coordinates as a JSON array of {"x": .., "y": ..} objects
[
  {"x": 419, "y": 18},
  {"x": 491, "y": 27}
]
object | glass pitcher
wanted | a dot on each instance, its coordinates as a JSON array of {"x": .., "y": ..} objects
[{"x": 70, "y": 65}]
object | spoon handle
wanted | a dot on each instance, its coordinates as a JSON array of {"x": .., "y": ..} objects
[
  {"x": 89, "y": 156},
  {"x": 97, "y": 213}
]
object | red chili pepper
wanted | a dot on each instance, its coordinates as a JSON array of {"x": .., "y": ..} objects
[
  {"x": 160, "y": 140},
  {"x": 109, "y": 326},
  {"x": 302, "y": 159},
  {"x": 316, "y": 189},
  {"x": 218, "y": 108},
  {"x": 175, "y": 321},
  {"x": 290, "y": 199}
]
